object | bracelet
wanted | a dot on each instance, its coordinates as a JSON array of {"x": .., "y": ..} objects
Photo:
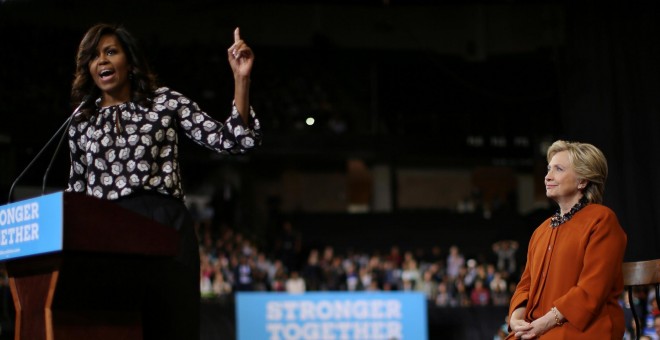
[{"x": 556, "y": 313}]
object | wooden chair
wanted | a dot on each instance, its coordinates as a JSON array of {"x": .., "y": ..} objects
[{"x": 641, "y": 273}]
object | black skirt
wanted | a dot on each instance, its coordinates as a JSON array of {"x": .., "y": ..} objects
[{"x": 171, "y": 299}]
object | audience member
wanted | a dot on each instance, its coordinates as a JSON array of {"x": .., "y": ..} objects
[
  {"x": 462, "y": 295},
  {"x": 295, "y": 284},
  {"x": 506, "y": 255},
  {"x": 221, "y": 288},
  {"x": 480, "y": 295},
  {"x": 312, "y": 272},
  {"x": 335, "y": 275},
  {"x": 352, "y": 278},
  {"x": 288, "y": 245},
  {"x": 410, "y": 275},
  {"x": 445, "y": 298},
  {"x": 455, "y": 261},
  {"x": 498, "y": 289},
  {"x": 243, "y": 272},
  {"x": 428, "y": 286}
]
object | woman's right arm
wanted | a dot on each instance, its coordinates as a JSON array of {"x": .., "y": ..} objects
[{"x": 517, "y": 308}]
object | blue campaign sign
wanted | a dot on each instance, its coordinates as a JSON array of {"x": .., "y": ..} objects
[
  {"x": 31, "y": 227},
  {"x": 331, "y": 315}
]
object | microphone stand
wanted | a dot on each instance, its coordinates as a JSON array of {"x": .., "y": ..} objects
[
  {"x": 65, "y": 125},
  {"x": 57, "y": 149}
]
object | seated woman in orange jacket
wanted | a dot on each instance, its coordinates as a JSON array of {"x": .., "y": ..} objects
[{"x": 572, "y": 280}]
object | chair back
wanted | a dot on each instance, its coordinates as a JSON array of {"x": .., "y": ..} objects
[{"x": 637, "y": 274}]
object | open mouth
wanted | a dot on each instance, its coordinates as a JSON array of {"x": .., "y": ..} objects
[{"x": 105, "y": 74}]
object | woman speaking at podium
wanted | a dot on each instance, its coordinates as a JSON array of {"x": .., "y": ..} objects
[{"x": 123, "y": 144}]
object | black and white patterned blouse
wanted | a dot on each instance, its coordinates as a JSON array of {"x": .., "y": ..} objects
[{"x": 129, "y": 148}]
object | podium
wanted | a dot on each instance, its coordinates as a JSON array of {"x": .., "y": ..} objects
[{"x": 93, "y": 286}]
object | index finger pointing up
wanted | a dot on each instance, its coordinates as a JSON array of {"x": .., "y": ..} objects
[{"x": 237, "y": 35}]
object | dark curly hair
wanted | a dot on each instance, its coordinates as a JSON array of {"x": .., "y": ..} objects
[{"x": 143, "y": 80}]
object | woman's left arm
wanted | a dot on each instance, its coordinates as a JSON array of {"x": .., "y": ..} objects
[
  {"x": 600, "y": 272},
  {"x": 241, "y": 60},
  {"x": 241, "y": 131}
]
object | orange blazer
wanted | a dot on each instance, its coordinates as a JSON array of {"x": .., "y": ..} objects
[{"x": 576, "y": 267}]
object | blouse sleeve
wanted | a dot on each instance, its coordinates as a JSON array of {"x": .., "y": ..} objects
[
  {"x": 604, "y": 252},
  {"x": 232, "y": 136},
  {"x": 77, "y": 181}
]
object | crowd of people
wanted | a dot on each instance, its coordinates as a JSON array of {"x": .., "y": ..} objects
[{"x": 231, "y": 262}]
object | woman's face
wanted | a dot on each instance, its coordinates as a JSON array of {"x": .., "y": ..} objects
[
  {"x": 561, "y": 181},
  {"x": 109, "y": 69}
]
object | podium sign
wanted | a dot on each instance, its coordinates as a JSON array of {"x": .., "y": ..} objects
[
  {"x": 331, "y": 315},
  {"x": 32, "y": 226}
]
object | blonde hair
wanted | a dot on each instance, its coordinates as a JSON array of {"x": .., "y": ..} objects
[{"x": 589, "y": 164}]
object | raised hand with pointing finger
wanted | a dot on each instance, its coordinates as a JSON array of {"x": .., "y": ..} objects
[
  {"x": 240, "y": 56},
  {"x": 241, "y": 60}
]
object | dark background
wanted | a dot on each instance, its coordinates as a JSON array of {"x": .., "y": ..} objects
[{"x": 412, "y": 80}]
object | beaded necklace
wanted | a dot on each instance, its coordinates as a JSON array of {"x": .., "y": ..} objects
[{"x": 558, "y": 219}]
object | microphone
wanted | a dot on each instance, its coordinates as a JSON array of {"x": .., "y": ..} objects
[{"x": 65, "y": 127}]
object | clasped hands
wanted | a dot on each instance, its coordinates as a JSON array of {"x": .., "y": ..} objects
[{"x": 530, "y": 330}]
